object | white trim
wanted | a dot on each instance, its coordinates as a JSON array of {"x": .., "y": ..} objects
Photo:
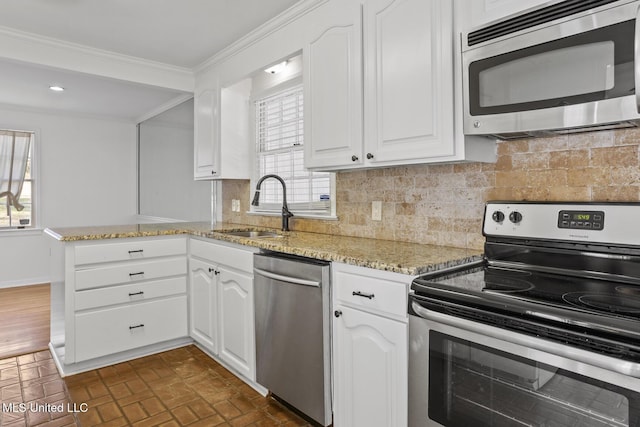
[
  {"x": 39, "y": 110},
  {"x": 165, "y": 107},
  {"x": 293, "y": 13},
  {"x": 33, "y": 48},
  {"x": 31, "y": 281}
]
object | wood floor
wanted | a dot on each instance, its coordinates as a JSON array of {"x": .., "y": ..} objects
[{"x": 24, "y": 320}]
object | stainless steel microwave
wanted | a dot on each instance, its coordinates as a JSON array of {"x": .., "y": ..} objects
[{"x": 570, "y": 66}]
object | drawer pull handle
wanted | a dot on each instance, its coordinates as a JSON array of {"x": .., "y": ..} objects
[
  {"x": 136, "y": 274},
  {"x": 137, "y": 251},
  {"x": 141, "y": 325},
  {"x": 136, "y": 293},
  {"x": 363, "y": 295}
]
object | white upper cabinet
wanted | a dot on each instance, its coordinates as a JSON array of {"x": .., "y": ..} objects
[
  {"x": 333, "y": 96},
  {"x": 481, "y": 12},
  {"x": 206, "y": 134},
  {"x": 406, "y": 112},
  {"x": 222, "y": 132},
  {"x": 408, "y": 80}
]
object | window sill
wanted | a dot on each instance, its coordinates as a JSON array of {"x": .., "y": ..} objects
[
  {"x": 307, "y": 216},
  {"x": 15, "y": 232}
]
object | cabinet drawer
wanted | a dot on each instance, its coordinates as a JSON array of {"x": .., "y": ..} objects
[
  {"x": 129, "y": 272},
  {"x": 122, "y": 251},
  {"x": 373, "y": 294},
  {"x": 135, "y": 292},
  {"x": 238, "y": 258},
  {"x": 103, "y": 332}
]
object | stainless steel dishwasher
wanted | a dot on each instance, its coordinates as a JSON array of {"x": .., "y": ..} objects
[{"x": 293, "y": 331}]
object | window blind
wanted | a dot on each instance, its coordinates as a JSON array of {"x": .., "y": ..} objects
[{"x": 280, "y": 151}]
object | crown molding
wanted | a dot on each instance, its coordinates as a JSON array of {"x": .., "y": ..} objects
[
  {"x": 46, "y": 51},
  {"x": 164, "y": 107},
  {"x": 294, "y": 12},
  {"x": 64, "y": 113}
]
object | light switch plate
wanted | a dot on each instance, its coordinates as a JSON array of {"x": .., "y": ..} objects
[{"x": 376, "y": 210}]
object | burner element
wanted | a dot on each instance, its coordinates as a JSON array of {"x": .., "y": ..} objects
[
  {"x": 507, "y": 285},
  {"x": 506, "y": 281},
  {"x": 617, "y": 304}
]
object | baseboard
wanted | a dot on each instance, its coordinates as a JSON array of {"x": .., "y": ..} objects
[
  {"x": 27, "y": 282},
  {"x": 57, "y": 352}
]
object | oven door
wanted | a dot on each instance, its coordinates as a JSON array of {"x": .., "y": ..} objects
[
  {"x": 574, "y": 74},
  {"x": 463, "y": 373}
]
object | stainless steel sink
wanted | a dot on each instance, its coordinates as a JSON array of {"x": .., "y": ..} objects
[{"x": 254, "y": 234}]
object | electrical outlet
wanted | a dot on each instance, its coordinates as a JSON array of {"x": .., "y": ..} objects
[
  {"x": 235, "y": 205},
  {"x": 376, "y": 210}
]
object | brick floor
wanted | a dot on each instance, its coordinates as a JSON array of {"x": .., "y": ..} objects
[{"x": 175, "y": 388}]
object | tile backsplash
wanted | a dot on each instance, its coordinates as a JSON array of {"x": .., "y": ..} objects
[{"x": 443, "y": 204}]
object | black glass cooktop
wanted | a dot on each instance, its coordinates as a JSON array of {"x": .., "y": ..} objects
[{"x": 586, "y": 294}]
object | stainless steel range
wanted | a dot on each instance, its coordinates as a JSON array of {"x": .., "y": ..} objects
[{"x": 544, "y": 331}]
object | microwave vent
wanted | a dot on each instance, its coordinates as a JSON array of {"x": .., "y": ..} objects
[
  {"x": 533, "y": 18},
  {"x": 568, "y": 131},
  {"x": 610, "y": 126}
]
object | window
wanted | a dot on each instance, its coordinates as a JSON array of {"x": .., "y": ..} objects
[
  {"x": 280, "y": 151},
  {"x": 16, "y": 179}
]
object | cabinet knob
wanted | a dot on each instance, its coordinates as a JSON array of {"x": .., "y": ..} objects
[
  {"x": 213, "y": 172},
  {"x": 354, "y": 158},
  {"x": 369, "y": 156},
  {"x": 216, "y": 272},
  {"x": 211, "y": 270},
  {"x": 337, "y": 313}
]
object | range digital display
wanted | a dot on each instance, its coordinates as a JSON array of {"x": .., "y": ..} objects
[{"x": 582, "y": 220}]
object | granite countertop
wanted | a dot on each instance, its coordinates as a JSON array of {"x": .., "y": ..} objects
[{"x": 398, "y": 257}]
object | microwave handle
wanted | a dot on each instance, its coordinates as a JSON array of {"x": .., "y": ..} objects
[{"x": 636, "y": 59}]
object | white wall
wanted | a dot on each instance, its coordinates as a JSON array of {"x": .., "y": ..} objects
[
  {"x": 86, "y": 175},
  {"x": 167, "y": 187}
]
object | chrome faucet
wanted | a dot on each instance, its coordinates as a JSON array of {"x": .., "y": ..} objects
[{"x": 286, "y": 213}]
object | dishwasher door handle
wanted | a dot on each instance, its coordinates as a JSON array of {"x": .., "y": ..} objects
[{"x": 288, "y": 279}]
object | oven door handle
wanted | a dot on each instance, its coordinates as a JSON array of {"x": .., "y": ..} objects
[{"x": 590, "y": 358}]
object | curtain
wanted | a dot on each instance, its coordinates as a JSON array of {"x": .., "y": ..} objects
[{"x": 14, "y": 154}]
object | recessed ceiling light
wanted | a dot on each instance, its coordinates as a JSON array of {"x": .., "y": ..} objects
[{"x": 56, "y": 88}]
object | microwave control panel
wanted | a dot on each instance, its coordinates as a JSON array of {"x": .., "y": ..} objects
[{"x": 581, "y": 220}]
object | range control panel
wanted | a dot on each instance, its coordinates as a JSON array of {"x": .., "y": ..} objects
[
  {"x": 595, "y": 222},
  {"x": 581, "y": 220}
]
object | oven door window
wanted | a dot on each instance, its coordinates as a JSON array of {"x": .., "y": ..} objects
[
  {"x": 474, "y": 385},
  {"x": 586, "y": 67}
]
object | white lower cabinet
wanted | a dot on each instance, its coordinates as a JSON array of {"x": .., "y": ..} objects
[
  {"x": 236, "y": 316},
  {"x": 370, "y": 339},
  {"x": 203, "y": 308},
  {"x": 126, "y": 327},
  {"x": 221, "y": 303},
  {"x": 116, "y": 299}
]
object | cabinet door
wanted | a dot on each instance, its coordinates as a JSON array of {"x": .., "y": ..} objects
[
  {"x": 408, "y": 80},
  {"x": 206, "y": 134},
  {"x": 370, "y": 370},
  {"x": 333, "y": 98},
  {"x": 203, "y": 301},
  {"x": 237, "y": 338}
]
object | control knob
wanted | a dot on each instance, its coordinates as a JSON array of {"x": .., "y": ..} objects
[
  {"x": 515, "y": 217},
  {"x": 498, "y": 216}
]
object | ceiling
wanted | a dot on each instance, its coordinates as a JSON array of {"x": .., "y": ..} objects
[{"x": 178, "y": 34}]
